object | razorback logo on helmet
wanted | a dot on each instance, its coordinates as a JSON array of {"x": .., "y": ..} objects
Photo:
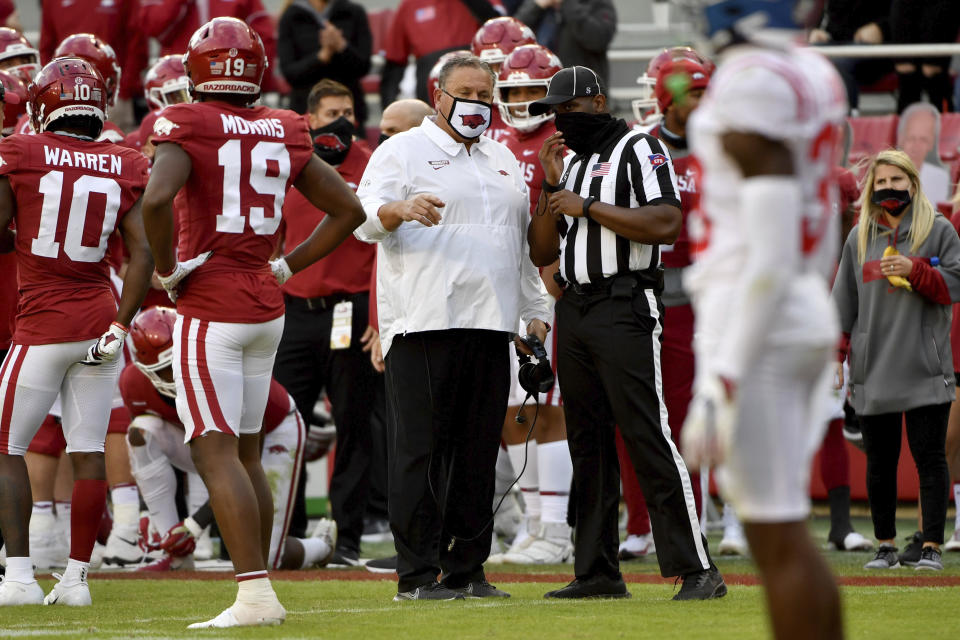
[
  {"x": 163, "y": 126},
  {"x": 225, "y": 56},
  {"x": 277, "y": 448},
  {"x": 472, "y": 120},
  {"x": 329, "y": 141},
  {"x": 657, "y": 159}
]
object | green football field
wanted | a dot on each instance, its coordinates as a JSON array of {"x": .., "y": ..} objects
[{"x": 357, "y": 604}]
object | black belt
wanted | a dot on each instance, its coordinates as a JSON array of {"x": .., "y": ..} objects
[
  {"x": 644, "y": 280},
  {"x": 321, "y": 303}
]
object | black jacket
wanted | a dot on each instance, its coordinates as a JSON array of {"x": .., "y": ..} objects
[
  {"x": 298, "y": 42},
  {"x": 586, "y": 30}
]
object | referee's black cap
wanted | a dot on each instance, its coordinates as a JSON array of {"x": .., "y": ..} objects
[{"x": 565, "y": 85}]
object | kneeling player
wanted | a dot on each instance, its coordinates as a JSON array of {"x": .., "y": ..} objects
[{"x": 155, "y": 440}]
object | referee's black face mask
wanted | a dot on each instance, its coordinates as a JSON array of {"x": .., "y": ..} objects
[{"x": 584, "y": 132}]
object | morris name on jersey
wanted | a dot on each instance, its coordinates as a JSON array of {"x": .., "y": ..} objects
[
  {"x": 102, "y": 162},
  {"x": 272, "y": 127}
]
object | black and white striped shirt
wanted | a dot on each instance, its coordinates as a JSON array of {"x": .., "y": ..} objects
[{"x": 633, "y": 172}]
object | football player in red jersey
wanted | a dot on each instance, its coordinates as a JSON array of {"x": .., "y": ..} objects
[
  {"x": 66, "y": 302},
  {"x": 165, "y": 83},
  {"x": 17, "y": 55},
  {"x": 494, "y": 41},
  {"x": 235, "y": 163},
  {"x": 544, "y": 536},
  {"x": 157, "y": 446},
  {"x": 101, "y": 55}
]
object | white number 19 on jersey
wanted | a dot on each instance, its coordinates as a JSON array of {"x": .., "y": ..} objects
[{"x": 228, "y": 156}]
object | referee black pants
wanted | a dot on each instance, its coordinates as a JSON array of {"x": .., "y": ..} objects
[
  {"x": 608, "y": 363},
  {"x": 446, "y": 396}
]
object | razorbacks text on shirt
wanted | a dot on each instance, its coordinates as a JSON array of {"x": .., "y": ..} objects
[{"x": 634, "y": 172}]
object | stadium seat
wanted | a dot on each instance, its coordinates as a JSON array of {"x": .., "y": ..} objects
[
  {"x": 949, "y": 137},
  {"x": 872, "y": 134}
]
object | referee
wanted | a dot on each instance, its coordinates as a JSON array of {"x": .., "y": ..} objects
[{"x": 603, "y": 210}]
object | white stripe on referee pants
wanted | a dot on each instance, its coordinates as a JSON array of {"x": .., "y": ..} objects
[{"x": 665, "y": 430}]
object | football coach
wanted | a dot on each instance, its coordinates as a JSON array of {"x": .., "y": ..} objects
[
  {"x": 604, "y": 210},
  {"x": 450, "y": 210}
]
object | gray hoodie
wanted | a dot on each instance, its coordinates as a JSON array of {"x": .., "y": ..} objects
[{"x": 900, "y": 354}]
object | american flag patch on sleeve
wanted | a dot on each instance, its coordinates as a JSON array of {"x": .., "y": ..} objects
[{"x": 600, "y": 169}]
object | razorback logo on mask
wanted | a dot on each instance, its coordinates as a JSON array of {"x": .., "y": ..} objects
[
  {"x": 473, "y": 120},
  {"x": 329, "y": 141}
]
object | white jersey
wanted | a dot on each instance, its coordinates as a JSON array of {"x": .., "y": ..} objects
[{"x": 794, "y": 96}]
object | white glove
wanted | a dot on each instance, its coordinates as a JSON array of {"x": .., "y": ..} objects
[
  {"x": 181, "y": 271},
  {"x": 281, "y": 270},
  {"x": 106, "y": 348},
  {"x": 705, "y": 437}
]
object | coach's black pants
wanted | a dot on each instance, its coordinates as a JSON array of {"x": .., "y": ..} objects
[
  {"x": 305, "y": 365},
  {"x": 608, "y": 362},
  {"x": 446, "y": 397},
  {"x": 927, "y": 436}
]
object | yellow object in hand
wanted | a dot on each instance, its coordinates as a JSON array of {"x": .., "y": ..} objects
[{"x": 897, "y": 281}]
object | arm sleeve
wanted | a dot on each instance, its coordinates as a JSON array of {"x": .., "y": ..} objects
[
  {"x": 928, "y": 282},
  {"x": 159, "y": 16},
  {"x": 530, "y": 14},
  {"x": 652, "y": 174},
  {"x": 383, "y": 182},
  {"x": 845, "y": 293},
  {"x": 355, "y": 59},
  {"x": 773, "y": 256},
  {"x": 592, "y": 24}
]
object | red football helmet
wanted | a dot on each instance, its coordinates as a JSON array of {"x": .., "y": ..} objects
[
  {"x": 99, "y": 54},
  {"x": 166, "y": 82},
  {"x": 679, "y": 76},
  {"x": 14, "y": 101},
  {"x": 14, "y": 45},
  {"x": 152, "y": 335},
  {"x": 494, "y": 41},
  {"x": 226, "y": 56},
  {"x": 529, "y": 65},
  {"x": 66, "y": 87},
  {"x": 433, "y": 80},
  {"x": 645, "y": 109}
]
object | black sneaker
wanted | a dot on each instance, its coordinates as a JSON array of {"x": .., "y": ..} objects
[
  {"x": 482, "y": 589},
  {"x": 930, "y": 560},
  {"x": 911, "y": 552},
  {"x": 431, "y": 591},
  {"x": 886, "y": 558},
  {"x": 376, "y": 530},
  {"x": 343, "y": 558},
  {"x": 593, "y": 587},
  {"x": 382, "y": 565},
  {"x": 702, "y": 585}
]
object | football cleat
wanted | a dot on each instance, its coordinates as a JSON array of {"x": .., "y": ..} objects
[
  {"x": 76, "y": 594},
  {"x": 552, "y": 546},
  {"x": 326, "y": 530},
  {"x": 241, "y": 615},
  {"x": 122, "y": 547},
  {"x": 17, "y": 593}
]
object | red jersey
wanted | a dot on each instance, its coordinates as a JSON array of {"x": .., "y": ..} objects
[
  {"x": 498, "y": 129},
  {"x": 113, "y": 21},
  {"x": 141, "y": 397},
  {"x": 244, "y": 161},
  {"x": 420, "y": 27},
  {"x": 525, "y": 146},
  {"x": 70, "y": 195},
  {"x": 677, "y": 255},
  {"x": 110, "y": 133},
  {"x": 347, "y": 269}
]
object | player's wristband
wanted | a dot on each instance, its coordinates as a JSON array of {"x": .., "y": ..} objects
[
  {"x": 586, "y": 206},
  {"x": 550, "y": 188},
  {"x": 120, "y": 326},
  {"x": 193, "y": 526}
]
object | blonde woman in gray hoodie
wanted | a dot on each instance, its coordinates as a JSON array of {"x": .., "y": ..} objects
[{"x": 899, "y": 272}]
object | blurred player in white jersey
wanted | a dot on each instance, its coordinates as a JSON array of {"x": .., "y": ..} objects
[{"x": 764, "y": 246}]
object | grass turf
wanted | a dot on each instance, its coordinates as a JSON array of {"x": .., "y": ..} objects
[{"x": 323, "y": 606}]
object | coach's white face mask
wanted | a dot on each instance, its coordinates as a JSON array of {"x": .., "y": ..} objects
[{"x": 469, "y": 118}]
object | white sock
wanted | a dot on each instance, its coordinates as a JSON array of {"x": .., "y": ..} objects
[
  {"x": 504, "y": 472},
  {"x": 197, "y": 493},
  {"x": 19, "y": 570},
  {"x": 956, "y": 504},
  {"x": 159, "y": 484},
  {"x": 43, "y": 508},
  {"x": 126, "y": 506},
  {"x": 314, "y": 550},
  {"x": 63, "y": 518},
  {"x": 254, "y": 588},
  {"x": 556, "y": 472},
  {"x": 76, "y": 572},
  {"x": 43, "y": 524},
  {"x": 529, "y": 482}
]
